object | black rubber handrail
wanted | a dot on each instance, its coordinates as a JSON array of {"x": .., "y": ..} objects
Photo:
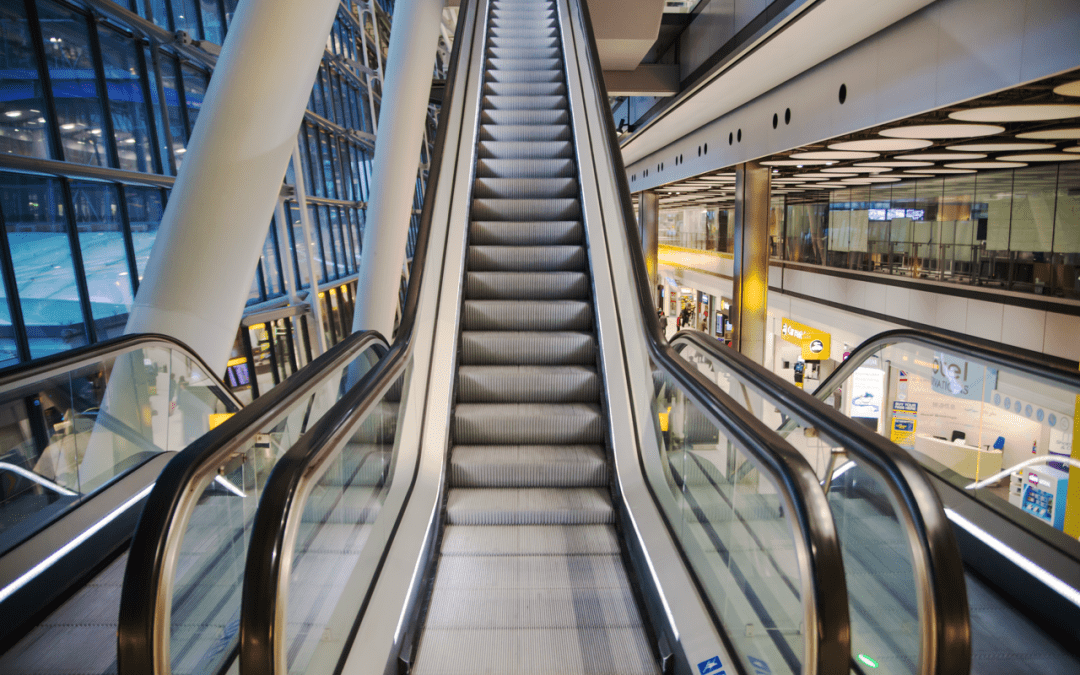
[
  {"x": 790, "y": 470},
  {"x": 260, "y": 603},
  {"x": 145, "y": 600},
  {"x": 943, "y": 569},
  {"x": 24, "y": 374}
]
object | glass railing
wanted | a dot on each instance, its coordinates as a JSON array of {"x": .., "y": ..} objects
[
  {"x": 901, "y": 594},
  {"x": 180, "y": 607},
  {"x": 74, "y": 424}
]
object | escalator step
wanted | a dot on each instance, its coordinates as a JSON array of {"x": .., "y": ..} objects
[
  {"x": 528, "y": 506},
  {"x": 501, "y": 63},
  {"x": 526, "y": 258},
  {"x": 525, "y": 132},
  {"x": 521, "y": 233},
  {"x": 528, "y": 384},
  {"x": 528, "y": 465},
  {"x": 526, "y": 285},
  {"x": 527, "y": 348},
  {"x": 525, "y": 150},
  {"x": 526, "y": 209},
  {"x": 543, "y": 315},
  {"x": 528, "y": 423},
  {"x": 525, "y": 168},
  {"x": 525, "y": 117},
  {"x": 495, "y": 102},
  {"x": 499, "y": 540},
  {"x": 524, "y": 89},
  {"x": 525, "y": 188},
  {"x": 518, "y": 608}
]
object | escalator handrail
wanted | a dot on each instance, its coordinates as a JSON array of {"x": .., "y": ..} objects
[
  {"x": 23, "y": 374},
  {"x": 262, "y": 616},
  {"x": 812, "y": 518},
  {"x": 993, "y": 353},
  {"x": 936, "y": 555},
  {"x": 146, "y": 595}
]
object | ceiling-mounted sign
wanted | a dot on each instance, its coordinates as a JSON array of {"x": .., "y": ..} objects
[{"x": 814, "y": 343}]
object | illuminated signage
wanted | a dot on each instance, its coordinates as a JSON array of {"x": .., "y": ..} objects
[{"x": 814, "y": 343}]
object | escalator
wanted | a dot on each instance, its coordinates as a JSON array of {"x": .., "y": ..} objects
[
  {"x": 137, "y": 424},
  {"x": 1021, "y": 571}
]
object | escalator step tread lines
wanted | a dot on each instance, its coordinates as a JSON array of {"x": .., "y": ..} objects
[{"x": 530, "y": 578}]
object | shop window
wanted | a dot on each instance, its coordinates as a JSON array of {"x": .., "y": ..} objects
[{"x": 23, "y": 116}]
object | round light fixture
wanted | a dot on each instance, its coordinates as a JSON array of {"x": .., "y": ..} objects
[
  {"x": 869, "y": 180},
  {"x": 1073, "y": 149},
  {"x": 986, "y": 165},
  {"x": 824, "y": 176},
  {"x": 895, "y": 165},
  {"x": 855, "y": 169},
  {"x": 1000, "y": 147},
  {"x": 882, "y": 144},
  {"x": 1052, "y": 134},
  {"x": 943, "y": 131},
  {"x": 942, "y": 156},
  {"x": 1068, "y": 89},
  {"x": 793, "y": 162},
  {"x": 909, "y": 175},
  {"x": 834, "y": 155},
  {"x": 831, "y": 186},
  {"x": 1042, "y": 157},
  {"x": 1035, "y": 112},
  {"x": 942, "y": 171}
]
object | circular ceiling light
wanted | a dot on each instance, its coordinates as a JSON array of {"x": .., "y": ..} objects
[
  {"x": 835, "y": 155},
  {"x": 941, "y": 171},
  {"x": 831, "y": 186},
  {"x": 909, "y": 175},
  {"x": 1035, "y": 112},
  {"x": 942, "y": 156},
  {"x": 1000, "y": 147},
  {"x": 895, "y": 165},
  {"x": 824, "y": 176},
  {"x": 1068, "y": 89},
  {"x": 986, "y": 165},
  {"x": 794, "y": 162},
  {"x": 868, "y": 180},
  {"x": 882, "y": 144},
  {"x": 855, "y": 169},
  {"x": 943, "y": 131},
  {"x": 1073, "y": 149},
  {"x": 1052, "y": 134},
  {"x": 1042, "y": 157}
]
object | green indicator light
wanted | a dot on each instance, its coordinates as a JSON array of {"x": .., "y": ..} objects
[{"x": 868, "y": 661}]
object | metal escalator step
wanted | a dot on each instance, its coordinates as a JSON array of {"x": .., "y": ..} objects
[
  {"x": 526, "y": 32},
  {"x": 531, "y": 608},
  {"x": 525, "y": 188},
  {"x": 526, "y": 315},
  {"x": 525, "y": 150},
  {"x": 525, "y": 117},
  {"x": 526, "y": 285},
  {"x": 525, "y": 132},
  {"x": 540, "y": 23},
  {"x": 529, "y": 506},
  {"x": 524, "y": 43},
  {"x": 526, "y": 209},
  {"x": 551, "y": 466},
  {"x": 525, "y": 75},
  {"x": 502, "y": 63},
  {"x": 494, "y": 102},
  {"x": 531, "y": 571},
  {"x": 528, "y": 423},
  {"x": 528, "y": 384},
  {"x": 480, "y": 540},
  {"x": 522, "y": 233},
  {"x": 525, "y": 168},
  {"x": 526, "y": 258},
  {"x": 527, "y": 348}
]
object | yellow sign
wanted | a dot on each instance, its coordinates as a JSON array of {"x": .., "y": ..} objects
[
  {"x": 1072, "y": 497},
  {"x": 217, "y": 418},
  {"x": 815, "y": 344},
  {"x": 903, "y": 430},
  {"x": 236, "y": 361}
]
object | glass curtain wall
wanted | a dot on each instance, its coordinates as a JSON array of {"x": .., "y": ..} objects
[{"x": 86, "y": 92}]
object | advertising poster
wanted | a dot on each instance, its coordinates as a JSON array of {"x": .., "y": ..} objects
[
  {"x": 867, "y": 392},
  {"x": 903, "y": 431}
]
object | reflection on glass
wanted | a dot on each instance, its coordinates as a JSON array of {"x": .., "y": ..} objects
[
  {"x": 75, "y": 93},
  {"x": 195, "y": 83},
  {"x": 211, "y": 21},
  {"x": 104, "y": 256},
  {"x": 23, "y": 120},
  {"x": 145, "y": 207},
  {"x": 37, "y": 234},
  {"x": 186, "y": 17},
  {"x": 177, "y": 128},
  {"x": 161, "y": 115},
  {"x": 127, "y": 100}
]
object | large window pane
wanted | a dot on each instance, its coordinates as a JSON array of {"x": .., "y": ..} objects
[
  {"x": 36, "y": 229},
  {"x": 161, "y": 115},
  {"x": 161, "y": 14},
  {"x": 1032, "y": 232},
  {"x": 23, "y": 128},
  {"x": 170, "y": 82},
  {"x": 271, "y": 268},
  {"x": 74, "y": 87},
  {"x": 1067, "y": 232},
  {"x": 127, "y": 101},
  {"x": 186, "y": 17},
  {"x": 213, "y": 31},
  {"x": 145, "y": 208},
  {"x": 101, "y": 240},
  {"x": 195, "y": 82}
]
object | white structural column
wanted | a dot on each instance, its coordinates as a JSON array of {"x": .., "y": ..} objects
[
  {"x": 410, "y": 62},
  {"x": 212, "y": 233}
]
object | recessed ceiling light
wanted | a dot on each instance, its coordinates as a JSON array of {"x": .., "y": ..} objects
[
  {"x": 872, "y": 179},
  {"x": 1068, "y": 89},
  {"x": 1036, "y": 112},
  {"x": 1052, "y": 134},
  {"x": 909, "y": 174},
  {"x": 986, "y": 165},
  {"x": 943, "y": 131},
  {"x": 854, "y": 169},
  {"x": 1000, "y": 147},
  {"x": 895, "y": 165},
  {"x": 941, "y": 171},
  {"x": 793, "y": 162},
  {"x": 882, "y": 144},
  {"x": 1042, "y": 157},
  {"x": 942, "y": 156},
  {"x": 1073, "y": 149},
  {"x": 824, "y": 176},
  {"x": 831, "y": 186},
  {"x": 835, "y": 155}
]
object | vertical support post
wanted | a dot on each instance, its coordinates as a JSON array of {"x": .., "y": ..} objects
[
  {"x": 402, "y": 119},
  {"x": 288, "y": 271},
  {"x": 751, "y": 273},
  {"x": 649, "y": 226},
  {"x": 309, "y": 246},
  {"x": 211, "y": 236}
]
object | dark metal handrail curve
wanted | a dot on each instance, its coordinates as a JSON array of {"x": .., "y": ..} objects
[
  {"x": 146, "y": 591},
  {"x": 791, "y": 471},
  {"x": 943, "y": 568},
  {"x": 260, "y": 603}
]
